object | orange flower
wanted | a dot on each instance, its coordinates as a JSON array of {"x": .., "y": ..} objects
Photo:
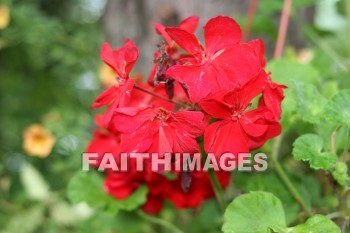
[
  {"x": 38, "y": 141},
  {"x": 107, "y": 75},
  {"x": 4, "y": 16}
]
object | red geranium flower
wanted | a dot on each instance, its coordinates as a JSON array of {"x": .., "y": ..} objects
[
  {"x": 155, "y": 129},
  {"x": 240, "y": 129},
  {"x": 224, "y": 63},
  {"x": 121, "y": 61}
]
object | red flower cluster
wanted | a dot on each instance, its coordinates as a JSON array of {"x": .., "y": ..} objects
[{"x": 192, "y": 90}]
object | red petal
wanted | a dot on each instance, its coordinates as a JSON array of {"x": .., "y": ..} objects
[
  {"x": 153, "y": 205},
  {"x": 273, "y": 96},
  {"x": 185, "y": 40},
  {"x": 239, "y": 64},
  {"x": 254, "y": 130},
  {"x": 199, "y": 80},
  {"x": 107, "y": 56},
  {"x": 220, "y": 33},
  {"x": 225, "y": 136},
  {"x": 119, "y": 186},
  {"x": 216, "y": 108},
  {"x": 121, "y": 60},
  {"x": 130, "y": 119},
  {"x": 140, "y": 140},
  {"x": 130, "y": 56},
  {"x": 189, "y": 24},
  {"x": 165, "y": 145},
  {"x": 160, "y": 29},
  {"x": 121, "y": 98},
  {"x": 190, "y": 121},
  {"x": 259, "y": 47},
  {"x": 107, "y": 96}
]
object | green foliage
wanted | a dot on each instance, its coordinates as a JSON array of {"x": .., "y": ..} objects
[
  {"x": 27, "y": 221},
  {"x": 337, "y": 110},
  {"x": 261, "y": 212},
  {"x": 256, "y": 212},
  {"x": 309, "y": 100},
  {"x": 308, "y": 147},
  {"x": 88, "y": 187},
  {"x": 34, "y": 184},
  {"x": 317, "y": 223},
  {"x": 285, "y": 71},
  {"x": 340, "y": 173},
  {"x": 48, "y": 65}
]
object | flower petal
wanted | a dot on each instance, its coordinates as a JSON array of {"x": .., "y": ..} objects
[
  {"x": 221, "y": 33},
  {"x": 189, "y": 24},
  {"x": 215, "y": 107},
  {"x": 225, "y": 136},
  {"x": 160, "y": 29},
  {"x": 185, "y": 40},
  {"x": 107, "y": 56}
]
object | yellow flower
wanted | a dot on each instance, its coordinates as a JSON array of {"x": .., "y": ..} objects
[
  {"x": 107, "y": 75},
  {"x": 4, "y": 16},
  {"x": 38, "y": 141}
]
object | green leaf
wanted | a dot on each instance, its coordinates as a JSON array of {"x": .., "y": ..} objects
[
  {"x": 34, "y": 183},
  {"x": 134, "y": 200},
  {"x": 317, "y": 223},
  {"x": 88, "y": 187},
  {"x": 308, "y": 147},
  {"x": 337, "y": 110},
  {"x": 27, "y": 221},
  {"x": 310, "y": 102},
  {"x": 269, "y": 182},
  {"x": 340, "y": 173},
  {"x": 286, "y": 72},
  {"x": 255, "y": 212}
]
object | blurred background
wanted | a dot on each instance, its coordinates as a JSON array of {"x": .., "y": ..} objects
[{"x": 50, "y": 73}]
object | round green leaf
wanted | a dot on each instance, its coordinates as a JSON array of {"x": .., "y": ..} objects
[
  {"x": 309, "y": 100},
  {"x": 308, "y": 147},
  {"x": 255, "y": 212},
  {"x": 317, "y": 223}
]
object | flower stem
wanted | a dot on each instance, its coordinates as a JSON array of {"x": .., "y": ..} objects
[
  {"x": 253, "y": 5},
  {"x": 285, "y": 179},
  {"x": 282, "y": 31},
  {"x": 159, "y": 96},
  {"x": 346, "y": 147},
  {"x": 159, "y": 221},
  {"x": 334, "y": 134},
  {"x": 219, "y": 193}
]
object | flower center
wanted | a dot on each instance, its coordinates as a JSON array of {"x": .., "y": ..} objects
[
  {"x": 236, "y": 115},
  {"x": 162, "y": 115}
]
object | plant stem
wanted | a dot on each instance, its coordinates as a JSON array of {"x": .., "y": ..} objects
[
  {"x": 253, "y": 5},
  {"x": 218, "y": 190},
  {"x": 346, "y": 147},
  {"x": 285, "y": 179},
  {"x": 282, "y": 31},
  {"x": 334, "y": 134},
  {"x": 159, "y": 221},
  {"x": 159, "y": 96}
]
